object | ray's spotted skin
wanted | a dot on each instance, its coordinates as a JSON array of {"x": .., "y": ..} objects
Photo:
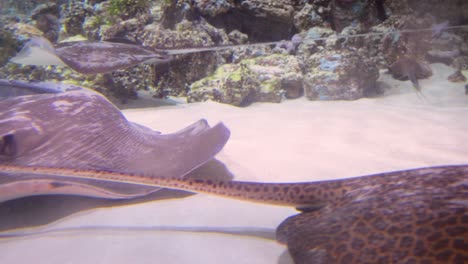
[{"x": 411, "y": 216}]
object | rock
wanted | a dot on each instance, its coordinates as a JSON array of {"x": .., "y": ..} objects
[
  {"x": 255, "y": 18},
  {"x": 237, "y": 37},
  {"x": 412, "y": 44},
  {"x": 197, "y": 23},
  {"x": 72, "y": 16},
  {"x": 457, "y": 77},
  {"x": 464, "y": 46},
  {"x": 185, "y": 34},
  {"x": 119, "y": 19},
  {"x": 279, "y": 10},
  {"x": 8, "y": 46},
  {"x": 278, "y": 75},
  {"x": 346, "y": 12},
  {"x": 391, "y": 8},
  {"x": 445, "y": 48},
  {"x": 23, "y": 32},
  {"x": 288, "y": 47},
  {"x": 264, "y": 79},
  {"x": 46, "y": 17},
  {"x": 460, "y": 62},
  {"x": 340, "y": 75},
  {"x": 310, "y": 46},
  {"x": 124, "y": 84},
  {"x": 213, "y": 8},
  {"x": 185, "y": 69},
  {"x": 230, "y": 84},
  {"x": 308, "y": 17},
  {"x": 18, "y": 7},
  {"x": 128, "y": 9},
  {"x": 442, "y": 10}
]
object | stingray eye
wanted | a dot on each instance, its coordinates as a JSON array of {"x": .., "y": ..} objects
[{"x": 8, "y": 146}]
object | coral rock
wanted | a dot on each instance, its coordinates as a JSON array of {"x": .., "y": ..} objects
[
  {"x": 263, "y": 79},
  {"x": 445, "y": 48},
  {"x": 457, "y": 77},
  {"x": 341, "y": 75}
]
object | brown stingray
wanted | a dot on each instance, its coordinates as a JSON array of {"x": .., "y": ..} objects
[
  {"x": 410, "y": 68},
  {"x": 80, "y": 129},
  {"x": 411, "y": 216},
  {"x": 92, "y": 57}
]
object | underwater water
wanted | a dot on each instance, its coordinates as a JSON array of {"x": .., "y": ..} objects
[{"x": 338, "y": 94}]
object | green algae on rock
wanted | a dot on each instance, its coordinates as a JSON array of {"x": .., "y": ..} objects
[
  {"x": 340, "y": 75},
  {"x": 263, "y": 79}
]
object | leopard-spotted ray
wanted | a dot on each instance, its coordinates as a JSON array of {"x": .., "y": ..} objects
[
  {"x": 410, "y": 216},
  {"x": 399, "y": 217},
  {"x": 66, "y": 125}
]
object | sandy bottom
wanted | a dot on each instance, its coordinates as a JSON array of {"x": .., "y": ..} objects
[{"x": 297, "y": 140}]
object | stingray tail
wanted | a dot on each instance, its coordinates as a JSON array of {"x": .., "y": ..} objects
[
  {"x": 417, "y": 87},
  {"x": 283, "y": 194},
  {"x": 414, "y": 80}
]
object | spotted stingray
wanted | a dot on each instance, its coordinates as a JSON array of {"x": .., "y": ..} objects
[{"x": 411, "y": 216}]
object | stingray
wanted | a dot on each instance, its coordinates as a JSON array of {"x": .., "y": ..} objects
[
  {"x": 54, "y": 125},
  {"x": 91, "y": 57},
  {"x": 410, "y": 216}
]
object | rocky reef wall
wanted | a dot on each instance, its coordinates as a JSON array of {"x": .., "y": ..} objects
[{"x": 323, "y": 69}]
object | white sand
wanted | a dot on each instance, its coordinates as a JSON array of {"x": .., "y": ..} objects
[{"x": 297, "y": 140}]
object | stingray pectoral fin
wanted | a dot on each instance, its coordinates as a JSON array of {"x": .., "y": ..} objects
[
  {"x": 14, "y": 88},
  {"x": 37, "y": 51},
  {"x": 92, "y": 57},
  {"x": 37, "y": 56},
  {"x": 178, "y": 153}
]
